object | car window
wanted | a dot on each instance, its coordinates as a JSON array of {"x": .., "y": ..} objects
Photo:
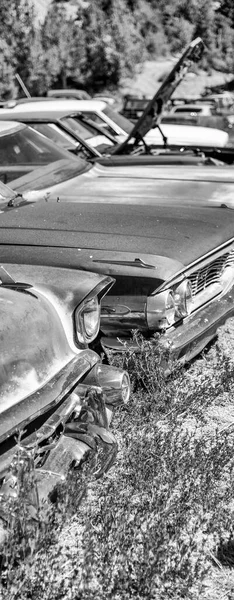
[
  {"x": 101, "y": 122},
  {"x": 28, "y": 147},
  {"x": 119, "y": 119},
  {"x": 52, "y": 131},
  {"x": 188, "y": 109},
  {"x": 85, "y": 131}
]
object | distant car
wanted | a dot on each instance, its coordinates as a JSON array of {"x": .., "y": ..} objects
[
  {"x": 59, "y": 127},
  {"x": 69, "y": 93},
  {"x": 75, "y": 133},
  {"x": 191, "y": 110},
  {"x": 48, "y": 318},
  {"x": 217, "y": 121},
  {"x": 223, "y": 102},
  {"x": 32, "y": 163},
  {"x": 105, "y": 97},
  {"x": 133, "y": 107},
  {"x": 118, "y": 126}
]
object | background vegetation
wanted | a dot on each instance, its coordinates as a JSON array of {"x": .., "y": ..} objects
[{"x": 93, "y": 43}]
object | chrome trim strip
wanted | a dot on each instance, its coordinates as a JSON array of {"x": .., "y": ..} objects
[{"x": 202, "y": 261}]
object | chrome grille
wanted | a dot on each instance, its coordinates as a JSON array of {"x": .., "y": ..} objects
[{"x": 211, "y": 273}]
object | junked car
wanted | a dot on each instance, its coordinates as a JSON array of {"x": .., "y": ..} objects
[
  {"x": 193, "y": 109},
  {"x": 77, "y": 134},
  {"x": 69, "y": 93},
  {"x": 56, "y": 397},
  {"x": 147, "y": 128},
  {"x": 48, "y": 169},
  {"x": 167, "y": 242},
  {"x": 64, "y": 129},
  {"x": 118, "y": 126}
]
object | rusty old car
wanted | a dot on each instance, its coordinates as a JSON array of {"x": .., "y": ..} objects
[
  {"x": 167, "y": 241},
  {"x": 56, "y": 397}
]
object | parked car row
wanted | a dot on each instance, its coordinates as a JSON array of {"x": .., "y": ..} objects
[{"x": 102, "y": 231}]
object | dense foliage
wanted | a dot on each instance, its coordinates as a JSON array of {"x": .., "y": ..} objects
[{"x": 92, "y": 44}]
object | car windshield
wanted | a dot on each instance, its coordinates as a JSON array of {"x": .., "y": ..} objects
[
  {"x": 52, "y": 131},
  {"x": 28, "y": 147}
]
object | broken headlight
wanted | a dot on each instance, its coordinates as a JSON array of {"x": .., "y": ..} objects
[{"x": 161, "y": 310}]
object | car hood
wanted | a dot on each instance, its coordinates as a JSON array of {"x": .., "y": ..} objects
[
  {"x": 123, "y": 183},
  {"x": 188, "y": 135},
  {"x": 176, "y": 221},
  {"x": 153, "y": 111}
]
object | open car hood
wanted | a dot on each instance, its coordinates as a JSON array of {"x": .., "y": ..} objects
[{"x": 153, "y": 112}]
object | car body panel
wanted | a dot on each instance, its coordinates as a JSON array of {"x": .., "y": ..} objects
[
  {"x": 125, "y": 184},
  {"x": 201, "y": 109},
  {"x": 29, "y": 357}
]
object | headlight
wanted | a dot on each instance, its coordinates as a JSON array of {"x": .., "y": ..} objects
[
  {"x": 161, "y": 310},
  {"x": 114, "y": 382},
  {"x": 183, "y": 299},
  {"x": 87, "y": 321}
]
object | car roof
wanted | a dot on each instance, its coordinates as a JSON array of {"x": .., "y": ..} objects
[
  {"x": 10, "y": 127},
  {"x": 58, "y": 105},
  {"x": 46, "y": 115},
  {"x": 66, "y": 92}
]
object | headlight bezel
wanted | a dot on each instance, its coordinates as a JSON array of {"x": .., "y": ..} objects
[
  {"x": 85, "y": 332},
  {"x": 160, "y": 310},
  {"x": 183, "y": 298},
  {"x": 165, "y": 308}
]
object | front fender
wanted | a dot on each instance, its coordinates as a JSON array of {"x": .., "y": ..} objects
[{"x": 63, "y": 288}]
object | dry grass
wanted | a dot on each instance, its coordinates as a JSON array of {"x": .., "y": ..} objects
[{"x": 159, "y": 524}]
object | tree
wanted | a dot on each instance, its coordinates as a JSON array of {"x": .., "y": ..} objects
[
  {"x": 63, "y": 45},
  {"x": 7, "y": 74},
  {"x": 226, "y": 8},
  {"x": 17, "y": 34}
]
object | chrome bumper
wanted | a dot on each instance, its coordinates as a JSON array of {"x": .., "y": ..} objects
[
  {"x": 78, "y": 424},
  {"x": 192, "y": 334}
]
